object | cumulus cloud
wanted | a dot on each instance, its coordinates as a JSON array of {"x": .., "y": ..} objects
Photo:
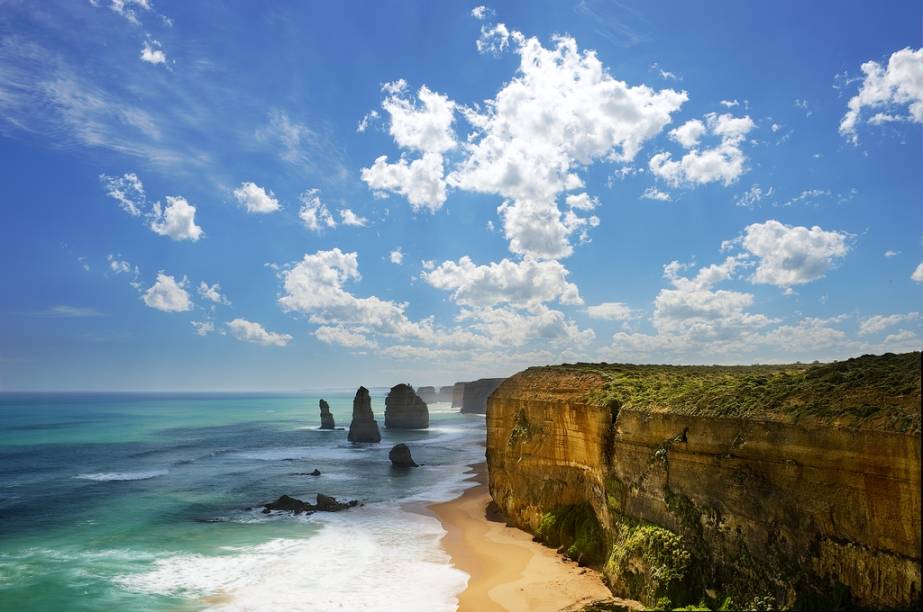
[
  {"x": 248, "y": 331},
  {"x": 895, "y": 91},
  {"x": 314, "y": 213},
  {"x": 788, "y": 255},
  {"x": 652, "y": 193},
  {"x": 203, "y": 328},
  {"x": 610, "y": 311},
  {"x": 212, "y": 293},
  {"x": 168, "y": 295},
  {"x": 348, "y": 217},
  {"x": 878, "y": 323},
  {"x": 525, "y": 284},
  {"x": 118, "y": 265},
  {"x": 724, "y": 162},
  {"x": 341, "y": 336},
  {"x": 176, "y": 220},
  {"x": 917, "y": 275},
  {"x": 152, "y": 53},
  {"x": 561, "y": 112},
  {"x": 396, "y": 256},
  {"x": 256, "y": 199}
]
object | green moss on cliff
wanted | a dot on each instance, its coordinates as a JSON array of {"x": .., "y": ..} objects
[
  {"x": 576, "y": 530},
  {"x": 881, "y": 392},
  {"x": 522, "y": 430}
]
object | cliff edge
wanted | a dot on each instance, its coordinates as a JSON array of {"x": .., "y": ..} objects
[{"x": 755, "y": 487}]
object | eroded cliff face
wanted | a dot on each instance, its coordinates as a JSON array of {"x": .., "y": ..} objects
[{"x": 772, "y": 510}]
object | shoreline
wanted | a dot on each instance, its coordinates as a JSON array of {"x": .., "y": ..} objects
[{"x": 506, "y": 569}]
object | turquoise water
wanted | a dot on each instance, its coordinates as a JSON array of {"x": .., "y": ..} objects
[{"x": 140, "y": 502}]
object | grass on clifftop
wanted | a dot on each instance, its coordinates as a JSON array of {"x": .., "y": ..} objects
[{"x": 868, "y": 392}]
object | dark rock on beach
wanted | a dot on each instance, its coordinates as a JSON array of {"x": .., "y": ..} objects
[
  {"x": 326, "y": 418},
  {"x": 404, "y": 409},
  {"x": 364, "y": 427},
  {"x": 400, "y": 456},
  {"x": 325, "y": 503}
]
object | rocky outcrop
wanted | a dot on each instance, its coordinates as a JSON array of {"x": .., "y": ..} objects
[
  {"x": 400, "y": 456},
  {"x": 325, "y": 503},
  {"x": 364, "y": 427},
  {"x": 427, "y": 394},
  {"x": 476, "y": 394},
  {"x": 404, "y": 409},
  {"x": 756, "y": 488},
  {"x": 445, "y": 394},
  {"x": 458, "y": 395},
  {"x": 326, "y": 418}
]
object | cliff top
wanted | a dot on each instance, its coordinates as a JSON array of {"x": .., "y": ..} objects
[{"x": 867, "y": 392}]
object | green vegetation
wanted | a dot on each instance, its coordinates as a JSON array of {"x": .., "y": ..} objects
[
  {"x": 522, "y": 430},
  {"x": 877, "y": 392},
  {"x": 576, "y": 530}
]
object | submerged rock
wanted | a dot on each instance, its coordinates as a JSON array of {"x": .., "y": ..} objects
[
  {"x": 364, "y": 427},
  {"x": 325, "y": 503},
  {"x": 400, "y": 456},
  {"x": 404, "y": 409},
  {"x": 326, "y": 418}
]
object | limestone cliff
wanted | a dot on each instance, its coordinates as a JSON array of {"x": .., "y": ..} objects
[
  {"x": 760, "y": 487},
  {"x": 445, "y": 394},
  {"x": 364, "y": 427},
  {"x": 476, "y": 392},
  {"x": 458, "y": 394},
  {"x": 427, "y": 394},
  {"x": 404, "y": 409}
]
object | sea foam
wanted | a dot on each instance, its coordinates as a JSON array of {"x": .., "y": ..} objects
[{"x": 117, "y": 476}]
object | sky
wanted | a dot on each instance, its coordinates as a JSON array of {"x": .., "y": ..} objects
[{"x": 286, "y": 196}]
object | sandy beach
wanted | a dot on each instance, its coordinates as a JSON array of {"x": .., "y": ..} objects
[{"x": 508, "y": 570}]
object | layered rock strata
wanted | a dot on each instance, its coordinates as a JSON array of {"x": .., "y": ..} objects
[
  {"x": 364, "y": 427},
  {"x": 404, "y": 409},
  {"x": 751, "y": 488},
  {"x": 458, "y": 395},
  {"x": 326, "y": 417},
  {"x": 476, "y": 394}
]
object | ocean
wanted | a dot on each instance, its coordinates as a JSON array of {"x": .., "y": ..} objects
[{"x": 140, "y": 502}]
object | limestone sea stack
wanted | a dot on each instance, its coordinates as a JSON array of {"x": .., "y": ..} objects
[
  {"x": 404, "y": 409},
  {"x": 364, "y": 427},
  {"x": 427, "y": 394},
  {"x": 476, "y": 394},
  {"x": 458, "y": 394},
  {"x": 445, "y": 394},
  {"x": 326, "y": 418},
  {"x": 400, "y": 456}
]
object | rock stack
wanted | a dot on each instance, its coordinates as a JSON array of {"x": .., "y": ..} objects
[
  {"x": 458, "y": 395},
  {"x": 427, "y": 394},
  {"x": 445, "y": 394},
  {"x": 404, "y": 409},
  {"x": 400, "y": 456},
  {"x": 364, "y": 427},
  {"x": 326, "y": 418},
  {"x": 476, "y": 394}
]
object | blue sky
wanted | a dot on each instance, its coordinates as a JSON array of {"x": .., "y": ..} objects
[{"x": 216, "y": 195}]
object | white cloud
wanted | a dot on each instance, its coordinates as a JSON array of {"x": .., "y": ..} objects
[
  {"x": 203, "y": 328},
  {"x": 652, "y": 193},
  {"x": 790, "y": 255},
  {"x": 212, "y": 293},
  {"x": 176, "y": 220},
  {"x": 729, "y": 103},
  {"x": 561, "y": 112},
  {"x": 420, "y": 181},
  {"x": 126, "y": 8},
  {"x": 367, "y": 120},
  {"x": 63, "y": 311},
  {"x": 118, "y": 265},
  {"x": 348, "y": 217},
  {"x": 424, "y": 127},
  {"x": 917, "y": 275},
  {"x": 168, "y": 295},
  {"x": 753, "y": 196},
  {"x": 314, "y": 213},
  {"x": 256, "y": 199},
  {"x": 342, "y": 337},
  {"x": 723, "y": 163},
  {"x": 897, "y": 89},
  {"x": 525, "y": 284},
  {"x": 610, "y": 311},
  {"x": 127, "y": 190},
  {"x": 890, "y": 253},
  {"x": 878, "y": 323},
  {"x": 396, "y": 256},
  {"x": 248, "y": 331},
  {"x": 494, "y": 39},
  {"x": 505, "y": 327},
  {"x": 808, "y": 196},
  {"x": 152, "y": 53},
  {"x": 480, "y": 12}
]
